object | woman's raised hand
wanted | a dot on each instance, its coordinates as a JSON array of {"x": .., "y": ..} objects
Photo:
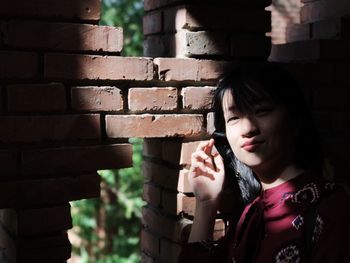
[{"x": 207, "y": 173}]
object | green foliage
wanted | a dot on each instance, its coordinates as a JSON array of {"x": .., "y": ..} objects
[
  {"x": 128, "y": 15},
  {"x": 109, "y": 227}
]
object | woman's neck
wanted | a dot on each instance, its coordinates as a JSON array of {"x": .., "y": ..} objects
[{"x": 278, "y": 176}]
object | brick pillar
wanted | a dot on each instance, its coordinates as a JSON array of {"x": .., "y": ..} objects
[{"x": 203, "y": 39}]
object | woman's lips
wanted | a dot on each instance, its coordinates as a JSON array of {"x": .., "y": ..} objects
[{"x": 251, "y": 145}]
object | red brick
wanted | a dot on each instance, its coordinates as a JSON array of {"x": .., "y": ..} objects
[
  {"x": 151, "y": 194},
  {"x": 157, "y": 46},
  {"x": 36, "y": 97},
  {"x": 152, "y": 23},
  {"x": 178, "y": 152},
  {"x": 341, "y": 72},
  {"x": 36, "y": 221},
  {"x": 44, "y": 192},
  {"x": 48, "y": 128},
  {"x": 232, "y": 18},
  {"x": 152, "y": 148},
  {"x": 197, "y": 98},
  {"x": 96, "y": 98},
  {"x": 53, "y": 248},
  {"x": 183, "y": 184},
  {"x": 92, "y": 67},
  {"x": 311, "y": 50},
  {"x": 182, "y": 69},
  {"x": 148, "y": 126},
  {"x": 9, "y": 163},
  {"x": 149, "y": 243},
  {"x": 76, "y": 159},
  {"x": 250, "y": 46},
  {"x": 177, "y": 203},
  {"x": 64, "y": 9},
  {"x": 319, "y": 10},
  {"x": 297, "y": 32},
  {"x": 189, "y": 44},
  {"x": 152, "y": 99},
  {"x": 340, "y": 98},
  {"x": 154, "y": 4},
  {"x": 334, "y": 28},
  {"x": 169, "y": 251},
  {"x": 155, "y": 173},
  {"x": 146, "y": 258},
  {"x": 165, "y": 226},
  {"x": 341, "y": 122},
  {"x": 62, "y": 36},
  {"x": 17, "y": 64}
]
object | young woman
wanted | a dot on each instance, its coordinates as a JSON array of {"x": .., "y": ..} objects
[{"x": 287, "y": 211}]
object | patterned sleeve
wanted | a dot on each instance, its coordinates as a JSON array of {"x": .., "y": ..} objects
[{"x": 332, "y": 231}]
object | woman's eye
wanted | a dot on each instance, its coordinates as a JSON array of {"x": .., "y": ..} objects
[
  {"x": 232, "y": 119},
  {"x": 263, "y": 111}
]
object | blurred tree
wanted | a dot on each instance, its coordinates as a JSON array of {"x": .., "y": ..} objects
[
  {"x": 108, "y": 229},
  {"x": 128, "y": 15}
]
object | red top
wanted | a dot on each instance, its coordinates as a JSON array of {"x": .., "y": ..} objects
[{"x": 273, "y": 227}]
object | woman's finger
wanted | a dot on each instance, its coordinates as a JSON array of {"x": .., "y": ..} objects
[
  {"x": 201, "y": 156},
  {"x": 218, "y": 161}
]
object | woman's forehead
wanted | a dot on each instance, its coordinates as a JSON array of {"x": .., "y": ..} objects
[{"x": 228, "y": 102}]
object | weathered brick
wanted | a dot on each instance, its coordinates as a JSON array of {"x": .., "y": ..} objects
[
  {"x": 154, "y": 4},
  {"x": 52, "y": 248},
  {"x": 152, "y": 99},
  {"x": 197, "y": 98},
  {"x": 167, "y": 227},
  {"x": 157, "y": 46},
  {"x": 152, "y": 148},
  {"x": 91, "y": 98},
  {"x": 190, "y": 44},
  {"x": 44, "y": 192},
  {"x": 250, "y": 46},
  {"x": 9, "y": 163},
  {"x": 36, "y": 221},
  {"x": 152, "y": 23},
  {"x": 340, "y": 98},
  {"x": 61, "y": 36},
  {"x": 155, "y": 173},
  {"x": 310, "y": 50},
  {"x": 149, "y": 243},
  {"x": 146, "y": 125},
  {"x": 169, "y": 251},
  {"x": 76, "y": 159},
  {"x": 176, "y": 203},
  {"x": 92, "y": 67},
  {"x": 178, "y": 152},
  {"x": 36, "y": 97},
  {"x": 18, "y": 64},
  {"x": 183, "y": 184},
  {"x": 64, "y": 9},
  {"x": 333, "y": 28},
  {"x": 341, "y": 122},
  {"x": 232, "y": 18},
  {"x": 319, "y": 10},
  {"x": 47, "y": 128},
  {"x": 145, "y": 258},
  {"x": 297, "y": 32},
  {"x": 151, "y": 194},
  {"x": 182, "y": 69}
]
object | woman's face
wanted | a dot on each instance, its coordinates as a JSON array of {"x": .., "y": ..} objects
[{"x": 262, "y": 138}]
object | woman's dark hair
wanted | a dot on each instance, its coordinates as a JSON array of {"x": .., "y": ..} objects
[{"x": 251, "y": 85}]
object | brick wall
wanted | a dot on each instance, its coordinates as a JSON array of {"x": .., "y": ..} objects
[{"x": 69, "y": 102}]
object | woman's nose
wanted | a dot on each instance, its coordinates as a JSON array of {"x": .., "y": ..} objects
[{"x": 249, "y": 127}]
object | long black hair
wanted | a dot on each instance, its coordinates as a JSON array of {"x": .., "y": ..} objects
[{"x": 250, "y": 85}]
